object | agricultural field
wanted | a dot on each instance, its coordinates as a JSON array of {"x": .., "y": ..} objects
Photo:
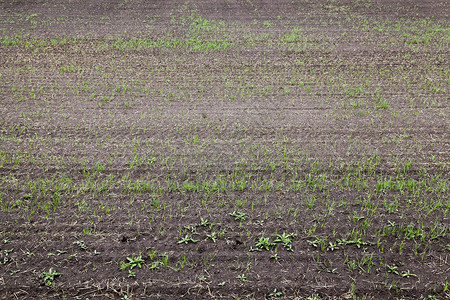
[{"x": 224, "y": 149}]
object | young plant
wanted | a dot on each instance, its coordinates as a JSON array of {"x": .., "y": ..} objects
[
  {"x": 50, "y": 276},
  {"x": 275, "y": 294},
  {"x": 135, "y": 261},
  {"x": 187, "y": 239},
  {"x": 238, "y": 216},
  {"x": 242, "y": 277},
  {"x": 264, "y": 243},
  {"x": 285, "y": 240}
]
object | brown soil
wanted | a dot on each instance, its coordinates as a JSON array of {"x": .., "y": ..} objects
[{"x": 109, "y": 161}]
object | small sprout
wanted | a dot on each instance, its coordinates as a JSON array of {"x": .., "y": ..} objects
[
  {"x": 332, "y": 246},
  {"x": 165, "y": 259},
  {"x": 72, "y": 256},
  {"x": 7, "y": 251},
  {"x": 332, "y": 271},
  {"x": 204, "y": 222},
  {"x": 392, "y": 269},
  {"x": 285, "y": 240},
  {"x": 275, "y": 294},
  {"x": 238, "y": 216},
  {"x": 254, "y": 249},
  {"x": 81, "y": 244},
  {"x": 275, "y": 257},
  {"x": 391, "y": 224},
  {"x": 318, "y": 243},
  {"x": 135, "y": 261},
  {"x": 358, "y": 242},
  {"x": 187, "y": 239},
  {"x": 50, "y": 276},
  {"x": 155, "y": 265},
  {"x": 131, "y": 273},
  {"x": 408, "y": 274},
  {"x": 193, "y": 229},
  {"x": 264, "y": 243},
  {"x": 242, "y": 277},
  {"x": 212, "y": 236},
  {"x": 182, "y": 262},
  {"x": 123, "y": 266}
]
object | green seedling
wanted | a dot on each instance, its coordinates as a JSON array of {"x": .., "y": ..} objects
[
  {"x": 358, "y": 242},
  {"x": 408, "y": 274},
  {"x": 164, "y": 259},
  {"x": 332, "y": 246},
  {"x": 81, "y": 244},
  {"x": 318, "y": 242},
  {"x": 187, "y": 239},
  {"x": 155, "y": 265},
  {"x": 314, "y": 297},
  {"x": 392, "y": 269},
  {"x": 285, "y": 240},
  {"x": 238, "y": 216},
  {"x": 242, "y": 277},
  {"x": 213, "y": 236},
  {"x": 135, "y": 261},
  {"x": 123, "y": 266},
  {"x": 275, "y": 294},
  {"x": 50, "y": 276},
  {"x": 14, "y": 272},
  {"x": 264, "y": 243},
  {"x": 61, "y": 252},
  {"x": 204, "y": 222}
]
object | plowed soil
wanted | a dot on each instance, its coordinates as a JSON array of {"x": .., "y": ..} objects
[{"x": 224, "y": 149}]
